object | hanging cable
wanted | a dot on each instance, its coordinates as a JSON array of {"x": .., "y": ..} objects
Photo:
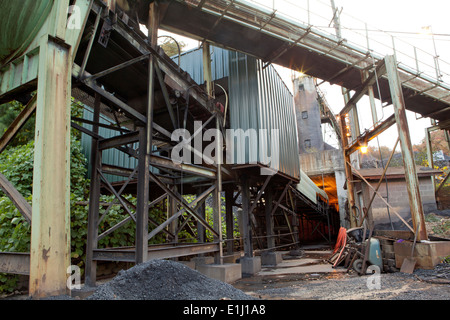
[
  {"x": 226, "y": 104},
  {"x": 179, "y": 48}
]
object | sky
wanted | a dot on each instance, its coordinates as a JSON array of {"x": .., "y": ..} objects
[{"x": 403, "y": 19}]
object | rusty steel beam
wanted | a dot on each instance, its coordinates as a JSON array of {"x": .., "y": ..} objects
[
  {"x": 18, "y": 123},
  {"x": 94, "y": 199},
  {"x": 371, "y": 79},
  {"x": 146, "y": 144},
  {"x": 442, "y": 183},
  {"x": 167, "y": 163},
  {"x": 381, "y": 197},
  {"x": 123, "y": 139},
  {"x": 182, "y": 202},
  {"x": 412, "y": 182},
  {"x": 117, "y": 68},
  {"x": 379, "y": 129},
  {"x": 348, "y": 174},
  {"x": 15, "y": 263},
  {"x": 19, "y": 201},
  {"x": 165, "y": 93},
  {"x": 156, "y": 252},
  {"x": 378, "y": 184},
  {"x": 50, "y": 227},
  {"x": 191, "y": 208},
  {"x": 246, "y": 222}
]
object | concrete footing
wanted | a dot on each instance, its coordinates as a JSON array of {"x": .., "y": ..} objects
[
  {"x": 232, "y": 258},
  {"x": 228, "y": 272},
  {"x": 271, "y": 258},
  {"x": 427, "y": 254},
  {"x": 199, "y": 261},
  {"x": 250, "y": 266}
]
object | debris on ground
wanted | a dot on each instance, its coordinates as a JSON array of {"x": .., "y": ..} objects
[
  {"x": 421, "y": 285},
  {"x": 165, "y": 280},
  {"x": 440, "y": 274},
  {"x": 438, "y": 224}
]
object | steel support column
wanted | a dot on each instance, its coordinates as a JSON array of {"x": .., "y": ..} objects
[
  {"x": 217, "y": 202},
  {"x": 50, "y": 236},
  {"x": 412, "y": 182},
  {"x": 246, "y": 222},
  {"x": 201, "y": 231},
  {"x": 207, "y": 74},
  {"x": 348, "y": 175},
  {"x": 145, "y": 146},
  {"x": 94, "y": 201},
  {"x": 430, "y": 154},
  {"x": 229, "y": 218},
  {"x": 172, "y": 209},
  {"x": 142, "y": 198},
  {"x": 268, "y": 197}
]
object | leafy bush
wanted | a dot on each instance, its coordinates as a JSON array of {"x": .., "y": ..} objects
[{"x": 16, "y": 163}]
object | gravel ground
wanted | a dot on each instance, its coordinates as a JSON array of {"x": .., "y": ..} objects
[
  {"x": 165, "y": 280},
  {"x": 421, "y": 285}
]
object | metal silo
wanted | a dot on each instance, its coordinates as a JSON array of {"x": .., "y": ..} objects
[{"x": 259, "y": 101}]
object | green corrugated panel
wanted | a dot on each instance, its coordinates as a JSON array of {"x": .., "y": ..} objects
[
  {"x": 110, "y": 156},
  {"x": 259, "y": 100},
  {"x": 20, "y": 21},
  {"x": 192, "y": 63}
]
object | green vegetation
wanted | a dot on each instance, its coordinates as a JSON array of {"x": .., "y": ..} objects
[{"x": 16, "y": 163}]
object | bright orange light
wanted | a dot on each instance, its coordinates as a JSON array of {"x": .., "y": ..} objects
[{"x": 364, "y": 149}]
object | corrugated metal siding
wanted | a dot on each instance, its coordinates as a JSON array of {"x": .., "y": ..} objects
[
  {"x": 259, "y": 99},
  {"x": 192, "y": 63},
  {"x": 110, "y": 156}
]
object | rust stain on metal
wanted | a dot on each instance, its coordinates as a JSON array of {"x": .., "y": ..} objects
[{"x": 45, "y": 254}]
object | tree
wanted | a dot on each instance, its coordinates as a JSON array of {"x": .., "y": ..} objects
[
  {"x": 438, "y": 142},
  {"x": 170, "y": 47},
  {"x": 382, "y": 153},
  {"x": 8, "y": 113}
]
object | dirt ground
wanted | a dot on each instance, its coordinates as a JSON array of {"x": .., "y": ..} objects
[
  {"x": 312, "y": 278},
  {"x": 308, "y": 277}
]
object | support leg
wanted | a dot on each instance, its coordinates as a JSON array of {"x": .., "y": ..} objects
[
  {"x": 142, "y": 200},
  {"x": 50, "y": 236},
  {"x": 229, "y": 218},
  {"x": 412, "y": 182},
  {"x": 246, "y": 223},
  {"x": 94, "y": 202},
  {"x": 269, "y": 218}
]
